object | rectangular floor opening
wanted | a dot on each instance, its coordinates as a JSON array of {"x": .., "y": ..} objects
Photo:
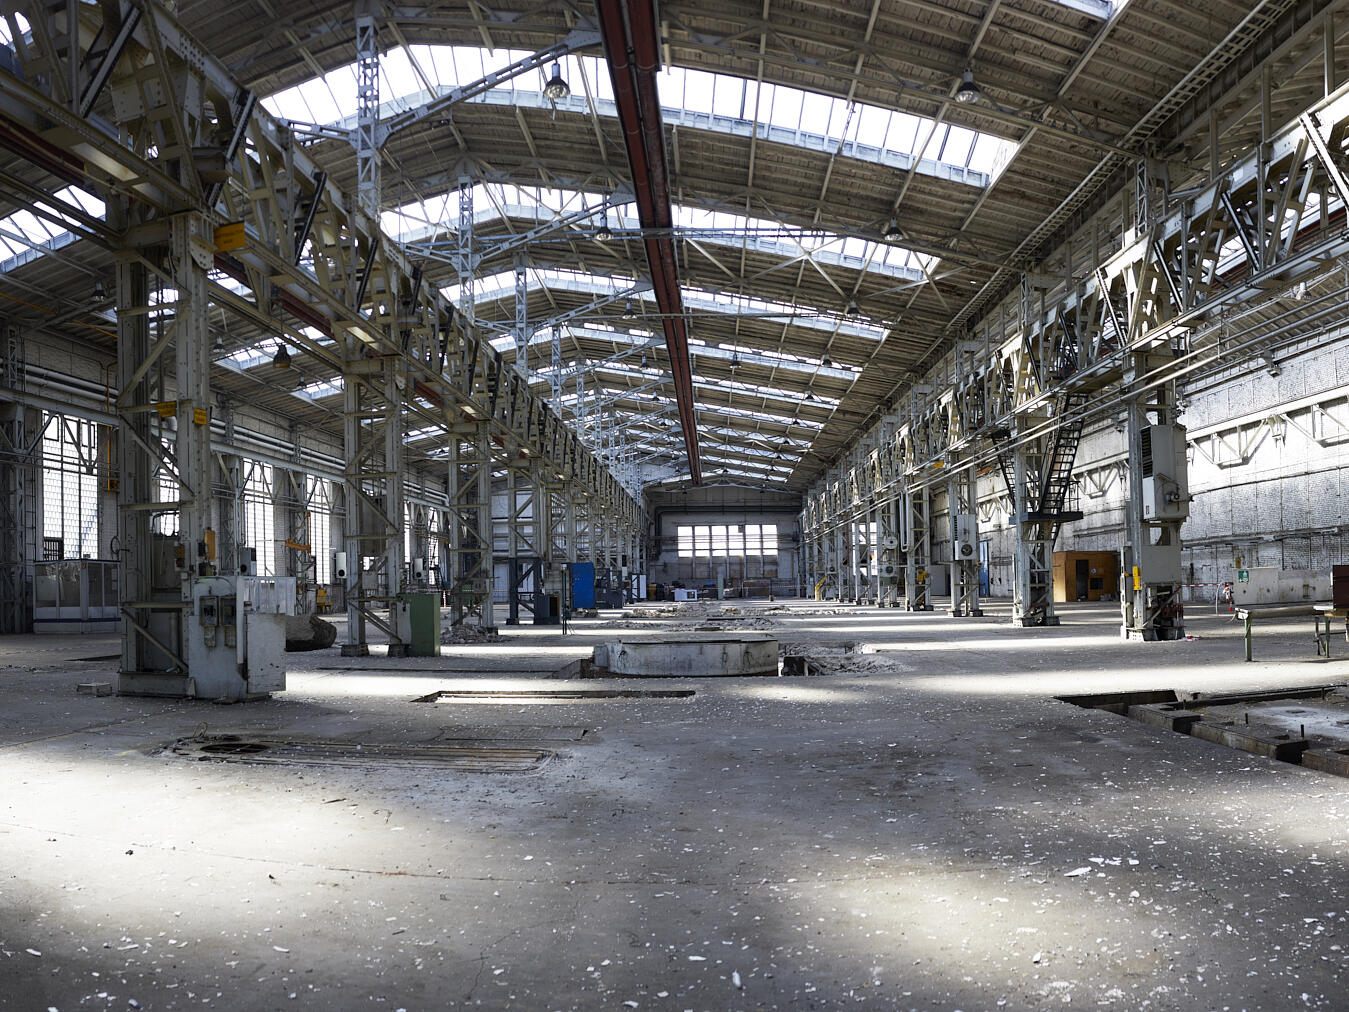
[{"x": 1306, "y": 726}]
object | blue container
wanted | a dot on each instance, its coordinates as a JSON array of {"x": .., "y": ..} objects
[{"x": 583, "y": 585}]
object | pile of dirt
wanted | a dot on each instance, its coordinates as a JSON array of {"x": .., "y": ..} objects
[{"x": 467, "y": 634}]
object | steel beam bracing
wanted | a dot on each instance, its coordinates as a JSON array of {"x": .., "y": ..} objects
[
  {"x": 177, "y": 142},
  {"x": 1132, "y": 323},
  {"x": 307, "y": 259}
]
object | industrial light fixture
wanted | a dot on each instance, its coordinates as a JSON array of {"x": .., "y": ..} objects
[
  {"x": 218, "y": 344},
  {"x": 556, "y": 88},
  {"x": 282, "y": 358},
  {"x": 100, "y": 293},
  {"x": 604, "y": 233},
  {"x": 892, "y": 232},
  {"x": 628, "y": 314},
  {"x": 735, "y": 361},
  {"x": 826, "y": 361},
  {"x": 852, "y": 308},
  {"x": 968, "y": 92}
]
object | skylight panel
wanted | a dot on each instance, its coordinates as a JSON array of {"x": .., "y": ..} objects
[
  {"x": 6, "y": 36},
  {"x": 331, "y": 100},
  {"x": 23, "y": 232}
]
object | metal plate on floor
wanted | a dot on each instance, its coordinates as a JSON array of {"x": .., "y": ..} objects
[
  {"x": 463, "y": 757},
  {"x": 550, "y": 695},
  {"x": 454, "y": 734}
]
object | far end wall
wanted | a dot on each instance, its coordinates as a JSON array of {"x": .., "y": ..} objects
[{"x": 735, "y": 508}]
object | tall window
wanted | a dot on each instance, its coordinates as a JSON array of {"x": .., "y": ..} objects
[
  {"x": 685, "y": 542},
  {"x": 70, "y": 485},
  {"x": 320, "y": 527},
  {"x": 260, "y": 515}
]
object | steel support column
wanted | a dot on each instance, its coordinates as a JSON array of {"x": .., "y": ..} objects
[
  {"x": 963, "y": 510},
  {"x": 470, "y": 539},
  {"x": 1151, "y": 577},
  {"x": 918, "y": 532}
]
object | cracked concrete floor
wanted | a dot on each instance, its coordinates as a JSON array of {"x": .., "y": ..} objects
[{"x": 927, "y": 828}]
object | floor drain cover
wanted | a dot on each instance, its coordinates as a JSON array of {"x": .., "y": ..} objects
[
  {"x": 464, "y": 757},
  {"x": 565, "y": 695}
]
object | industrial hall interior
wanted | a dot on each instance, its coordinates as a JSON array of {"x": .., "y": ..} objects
[{"x": 569, "y": 505}]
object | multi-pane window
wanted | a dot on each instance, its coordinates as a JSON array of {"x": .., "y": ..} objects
[
  {"x": 70, "y": 485},
  {"x": 727, "y": 541},
  {"x": 260, "y": 515},
  {"x": 761, "y": 539},
  {"x": 320, "y": 527},
  {"x": 685, "y": 541},
  {"x": 169, "y": 492}
]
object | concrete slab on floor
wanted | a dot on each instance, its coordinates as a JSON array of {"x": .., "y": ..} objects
[{"x": 926, "y": 828}]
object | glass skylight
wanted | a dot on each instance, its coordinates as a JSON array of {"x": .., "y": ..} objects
[
  {"x": 502, "y": 286},
  {"x": 439, "y": 217},
  {"x": 24, "y": 234},
  {"x": 412, "y": 75},
  {"x": 6, "y": 36}
]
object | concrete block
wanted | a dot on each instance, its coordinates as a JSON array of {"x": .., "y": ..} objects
[
  {"x": 94, "y": 688},
  {"x": 1167, "y": 716},
  {"x": 1270, "y": 742},
  {"x": 692, "y": 655},
  {"x": 1327, "y": 760}
]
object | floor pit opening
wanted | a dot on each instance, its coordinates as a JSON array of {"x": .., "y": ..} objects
[{"x": 1305, "y": 726}]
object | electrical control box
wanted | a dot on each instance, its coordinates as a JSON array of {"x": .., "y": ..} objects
[
  {"x": 965, "y": 544},
  {"x": 340, "y": 566},
  {"x": 1166, "y": 489}
]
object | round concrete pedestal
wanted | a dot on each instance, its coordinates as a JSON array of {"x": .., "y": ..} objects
[{"x": 690, "y": 655}]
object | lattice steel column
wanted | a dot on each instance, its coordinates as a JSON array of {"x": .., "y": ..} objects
[
  {"x": 1159, "y": 503},
  {"x": 466, "y": 258},
  {"x": 555, "y": 376},
  {"x": 143, "y": 648},
  {"x": 525, "y": 535},
  {"x": 470, "y": 535},
  {"x": 19, "y": 436},
  {"x": 373, "y": 525},
  {"x": 1033, "y": 567},
  {"x": 521, "y": 317},
  {"x": 366, "y": 135},
  {"x": 917, "y": 570},
  {"x": 888, "y": 565},
  {"x": 963, "y": 510},
  {"x": 856, "y": 553},
  {"x": 173, "y": 457}
]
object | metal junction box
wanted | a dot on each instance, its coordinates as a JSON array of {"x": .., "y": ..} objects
[
  {"x": 965, "y": 547},
  {"x": 1166, "y": 488}
]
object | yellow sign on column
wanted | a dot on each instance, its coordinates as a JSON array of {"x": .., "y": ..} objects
[{"x": 230, "y": 236}]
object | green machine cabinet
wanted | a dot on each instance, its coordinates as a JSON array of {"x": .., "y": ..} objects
[{"x": 422, "y": 628}]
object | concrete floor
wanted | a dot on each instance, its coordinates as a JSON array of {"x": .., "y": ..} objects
[{"x": 928, "y": 829}]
